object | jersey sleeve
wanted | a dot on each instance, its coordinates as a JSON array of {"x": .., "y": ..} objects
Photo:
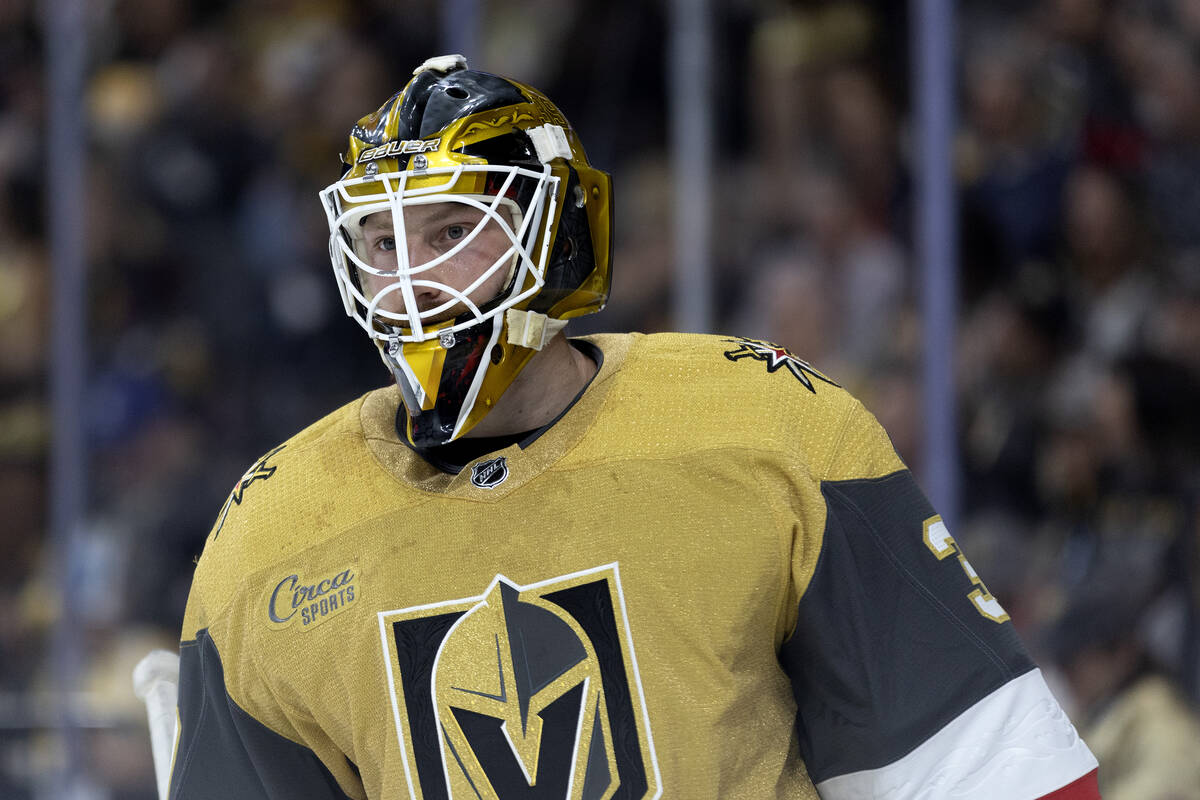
[
  {"x": 907, "y": 673},
  {"x": 223, "y": 751}
]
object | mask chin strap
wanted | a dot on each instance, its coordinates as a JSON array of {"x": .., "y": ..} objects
[{"x": 531, "y": 329}]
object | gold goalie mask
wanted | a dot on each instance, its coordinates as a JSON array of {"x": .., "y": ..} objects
[{"x": 466, "y": 229}]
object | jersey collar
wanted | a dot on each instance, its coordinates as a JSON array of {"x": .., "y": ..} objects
[{"x": 527, "y": 457}]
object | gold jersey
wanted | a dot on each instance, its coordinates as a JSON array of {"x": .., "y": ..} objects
[{"x": 711, "y": 578}]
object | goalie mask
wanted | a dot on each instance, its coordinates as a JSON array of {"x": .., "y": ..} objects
[{"x": 466, "y": 229}]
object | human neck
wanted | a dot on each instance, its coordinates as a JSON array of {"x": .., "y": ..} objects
[{"x": 540, "y": 392}]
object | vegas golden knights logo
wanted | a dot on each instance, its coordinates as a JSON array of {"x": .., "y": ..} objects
[{"x": 522, "y": 692}]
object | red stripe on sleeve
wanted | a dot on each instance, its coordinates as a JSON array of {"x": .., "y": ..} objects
[{"x": 1085, "y": 788}]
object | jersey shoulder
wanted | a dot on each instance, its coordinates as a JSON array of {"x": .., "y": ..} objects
[
  {"x": 290, "y": 499},
  {"x": 710, "y": 391},
  {"x": 748, "y": 371}
]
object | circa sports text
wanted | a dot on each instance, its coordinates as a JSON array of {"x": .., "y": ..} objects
[{"x": 315, "y": 602}]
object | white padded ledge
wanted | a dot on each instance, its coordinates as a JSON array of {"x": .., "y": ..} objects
[
  {"x": 451, "y": 63},
  {"x": 1014, "y": 744},
  {"x": 550, "y": 141}
]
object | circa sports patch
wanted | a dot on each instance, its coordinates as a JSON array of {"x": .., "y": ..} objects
[
  {"x": 776, "y": 357},
  {"x": 521, "y": 691},
  {"x": 311, "y": 600}
]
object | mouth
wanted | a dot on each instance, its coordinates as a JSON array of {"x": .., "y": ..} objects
[{"x": 384, "y": 323}]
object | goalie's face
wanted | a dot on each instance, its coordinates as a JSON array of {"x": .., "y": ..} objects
[
  {"x": 456, "y": 256},
  {"x": 474, "y": 238},
  {"x": 466, "y": 228}
]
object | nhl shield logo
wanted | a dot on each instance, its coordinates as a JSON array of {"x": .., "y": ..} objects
[
  {"x": 522, "y": 691},
  {"x": 490, "y": 474}
]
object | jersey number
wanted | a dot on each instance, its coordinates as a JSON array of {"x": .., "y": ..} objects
[{"x": 942, "y": 544}]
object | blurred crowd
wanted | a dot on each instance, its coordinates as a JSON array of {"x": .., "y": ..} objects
[{"x": 214, "y": 331}]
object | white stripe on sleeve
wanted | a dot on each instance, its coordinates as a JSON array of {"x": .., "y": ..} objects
[{"x": 1014, "y": 744}]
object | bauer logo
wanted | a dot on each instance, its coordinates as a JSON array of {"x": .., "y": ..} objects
[
  {"x": 393, "y": 149},
  {"x": 311, "y": 602},
  {"x": 490, "y": 474}
]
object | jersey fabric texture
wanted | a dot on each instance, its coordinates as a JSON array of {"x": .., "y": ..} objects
[{"x": 711, "y": 578}]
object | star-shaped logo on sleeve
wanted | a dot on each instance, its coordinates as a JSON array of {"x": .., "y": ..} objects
[
  {"x": 776, "y": 357},
  {"x": 260, "y": 471}
]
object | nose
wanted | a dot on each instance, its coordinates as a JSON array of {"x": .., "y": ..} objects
[{"x": 428, "y": 297}]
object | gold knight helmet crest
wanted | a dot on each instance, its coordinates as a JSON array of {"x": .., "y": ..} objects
[
  {"x": 522, "y": 688},
  {"x": 517, "y": 685}
]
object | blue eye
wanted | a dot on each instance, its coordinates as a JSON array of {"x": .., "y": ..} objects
[
  {"x": 455, "y": 232},
  {"x": 387, "y": 243}
]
